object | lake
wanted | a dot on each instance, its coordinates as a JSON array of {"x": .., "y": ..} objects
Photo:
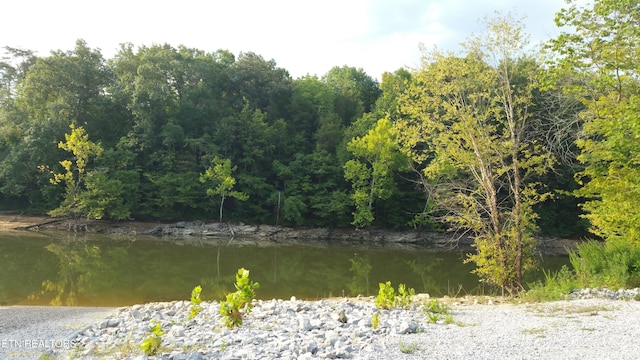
[{"x": 94, "y": 270}]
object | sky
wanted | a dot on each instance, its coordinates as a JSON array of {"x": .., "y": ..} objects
[{"x": 302, "y": 36}]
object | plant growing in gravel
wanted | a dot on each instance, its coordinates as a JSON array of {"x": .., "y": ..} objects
[
  {"x": 448, "y": 319},
  {"x": 436, "y": 310},
  {"x": 195, "y": 302},
  {"x": 151, "y": 345},
  {"x": 375, "y": 321},
  {"x": 407, "y": 348},
  {"x": 388, "y": 298},
  {"x": 403, "y": 299},
  {"x": 435, "y": 306},
  {"x": 240, "y": 302},
  {"x": 433, "y": 317}
]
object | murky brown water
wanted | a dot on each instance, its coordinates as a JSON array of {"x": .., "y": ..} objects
[{"x": 90, "y": 270}]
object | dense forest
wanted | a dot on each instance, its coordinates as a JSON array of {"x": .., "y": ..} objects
[{"x": 500, "y": 141}]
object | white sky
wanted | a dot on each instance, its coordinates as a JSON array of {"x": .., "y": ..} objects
[{"x": 303, "y": 36}]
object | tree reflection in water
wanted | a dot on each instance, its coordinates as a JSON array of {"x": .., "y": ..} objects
[{"x": 77, "y": 267}]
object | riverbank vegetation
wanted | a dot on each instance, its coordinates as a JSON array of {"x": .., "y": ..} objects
[{"x": 499, "y": 141}]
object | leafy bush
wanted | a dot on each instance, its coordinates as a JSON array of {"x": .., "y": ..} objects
[
  {"x": 387, "y": 297},
  {"x": 240, "y": 302},
  {"x": 613, "y": 264}
]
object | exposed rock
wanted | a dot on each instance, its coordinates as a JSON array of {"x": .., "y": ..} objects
[{"x": 265, "y": 234}]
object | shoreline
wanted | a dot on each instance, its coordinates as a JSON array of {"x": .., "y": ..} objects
[
  {"x": 197, "y": 230},
  {"x": 571, "y": 329}
]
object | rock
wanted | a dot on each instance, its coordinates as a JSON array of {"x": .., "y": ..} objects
[
  {"x": 342, "y": 317},
  {"x": 407, "y": 327}
]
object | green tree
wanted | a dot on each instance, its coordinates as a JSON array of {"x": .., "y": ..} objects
[
  {"x": 356, "y": 92},
  {"x": 50, "y": 94},
  {"x": 221, "y": 174},
  {"x": 75, "y": 172},
  {"x": 466, "y": 128},
  {"x": 600, "y": 52},
  {"x": 372, "y": 178}
]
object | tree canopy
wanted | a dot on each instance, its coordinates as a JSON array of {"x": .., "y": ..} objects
[{"x": 465, "y": 142}]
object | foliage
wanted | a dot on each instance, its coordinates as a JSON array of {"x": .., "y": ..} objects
[
  {"x": 152, "y": 344},
  {"x": 387, "y": 297},
  {"x": 239, "y": 303},
  {"x": 555, "y": 286},
  {"x": 195, "y": 302},
  {"x": 600, "y": 50},
  {"x": 375, "y": 321},
  {"x": 613, "y": 264},
  {"x": 162, "y": 113},
  {"x": 373, "y": 178},
  {"x": 436, "y": 310},
  {"x": 76, "y": 172},
  {"x": 465, "y": 130},
  {"x": 407, "y": 348},
  {"x": 222, "y": 175}
]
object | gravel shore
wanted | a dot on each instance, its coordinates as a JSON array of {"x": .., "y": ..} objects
[
  {"x": 575, "y": 329},
  {"x": 26, "y": 332}
]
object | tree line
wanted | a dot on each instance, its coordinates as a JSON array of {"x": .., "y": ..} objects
[{"x": 499, "y": 141}]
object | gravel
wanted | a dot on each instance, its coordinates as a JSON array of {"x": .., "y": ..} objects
[
  {"x": 592, "y": 326},
  {"x": 26, "y": 332}
]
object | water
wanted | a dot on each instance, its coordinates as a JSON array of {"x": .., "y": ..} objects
[{"x": 90, "y": 270}]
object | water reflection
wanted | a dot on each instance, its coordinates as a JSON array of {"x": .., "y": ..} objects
[{"x": 106, "y": 271}]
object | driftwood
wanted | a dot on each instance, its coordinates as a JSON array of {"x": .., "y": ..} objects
[{"x": 51, "y": 221}]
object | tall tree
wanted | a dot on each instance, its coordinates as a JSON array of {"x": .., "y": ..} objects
[
  {"x": 601, "y": 52},
  {"x": 75, "y": 172},
  {"x": 56, "y": 91},
  {"x": 371, "y": 172},
  {"x": 356, "y": 92},
  {"x": 466, "y": 126}
]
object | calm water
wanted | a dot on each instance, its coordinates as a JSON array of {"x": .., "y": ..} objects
[{"x": 83, "y": 270}]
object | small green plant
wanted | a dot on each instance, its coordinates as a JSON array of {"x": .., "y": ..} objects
[
  {"x": 435, "y": 306},
  {"x": 387, "y": 297},
  {"x": 436, "y": 310},
  {"x": 195, "y": 302},
  {"x": 433, "y": 317},
  {"x": 403, "y": 299},
  {"x": 556, "y": 286},
  {"x": 240, "y": 302},
  {"x": 448, "y": 319},
  {"x": 151, "y": 345},
  {"x": 375, "y": 321},
  {"x": 407, "y": 348}
]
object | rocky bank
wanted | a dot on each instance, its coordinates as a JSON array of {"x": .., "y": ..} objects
[
  {"x": 264, "y": 234},
  {"x": 594, "y": 325}
]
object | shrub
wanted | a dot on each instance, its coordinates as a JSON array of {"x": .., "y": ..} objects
[
  {"x": 387, "y": 297},
  {"x": 195, "y": 302},
  {"x": 240, "y": 302},
  {"x": 613, "y": 264},
  {"x": 151, "y": 345}
]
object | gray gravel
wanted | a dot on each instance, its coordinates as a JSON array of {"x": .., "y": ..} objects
[
  {"x": 26, "y": 332},
  {"x": 592, "y": 328}
]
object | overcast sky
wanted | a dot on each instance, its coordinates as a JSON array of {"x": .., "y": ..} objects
[{"x": 302, "y": 36}]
